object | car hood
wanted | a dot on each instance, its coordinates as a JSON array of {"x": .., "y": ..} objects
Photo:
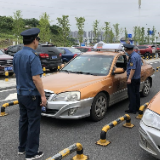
[
  {"x": 62, "y": 82},
  {"x": 5, "y": 57},
  {"x": 154, "y": 104}
]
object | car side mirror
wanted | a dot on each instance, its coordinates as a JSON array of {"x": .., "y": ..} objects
[{"x": 118, "y": 71}]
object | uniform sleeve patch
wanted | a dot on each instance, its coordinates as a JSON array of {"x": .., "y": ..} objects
[{"x": 131, "y": 64}]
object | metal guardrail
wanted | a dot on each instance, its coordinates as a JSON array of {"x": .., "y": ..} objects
[
  {"x": 141, "y": 110},
  {"x": 75, "y": 147},
  {"x": 6, "y": 105},
  {"x": 103, "y": 141}
]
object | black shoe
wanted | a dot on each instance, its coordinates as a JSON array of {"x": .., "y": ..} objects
[
  {"x": 37, "y": 156},
  {"x": 129, "y": 111}
]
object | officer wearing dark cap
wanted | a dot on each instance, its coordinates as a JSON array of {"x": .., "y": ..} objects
[
  {"x": 133, "y": 78},
  {"x": 30, "y": 93}
]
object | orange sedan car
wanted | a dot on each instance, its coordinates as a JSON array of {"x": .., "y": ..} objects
[
  {"x": 150, "y": 128},
  {"x": 89, "y": 84}
]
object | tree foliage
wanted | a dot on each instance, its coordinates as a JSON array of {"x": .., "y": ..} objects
[
  {"x": 95, "y": 30},
  {"x": 117, "y": 31},
  {"x": 107, "y": 32},
  {"x": 80, "y": 24},
  {"x": 44, "y": 26},
  {"x": 30, "y": 23},
  {"x": 64, "y": 24},
  {"x": 18, "y": 23},
  {"x": 6, "y": 24}
]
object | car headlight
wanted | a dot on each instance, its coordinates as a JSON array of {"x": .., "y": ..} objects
[
  {"x": 67, "y": 96},
  {"x": 151, "y": 119}
]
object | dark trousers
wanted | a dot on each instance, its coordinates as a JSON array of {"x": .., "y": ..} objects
[
  {"x": 133, "y": 94},
  {"x": 29, "y": 124}
]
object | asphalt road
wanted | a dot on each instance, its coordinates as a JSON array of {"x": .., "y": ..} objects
[{"x": 56, "y": 135}]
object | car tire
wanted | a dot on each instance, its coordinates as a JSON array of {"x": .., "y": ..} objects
[
  {"x": 147, "y": 54},
  {"x": 11, "y": 74},
  {"x": 146, "y": 88},
  {"x": 99, "y": 107}
]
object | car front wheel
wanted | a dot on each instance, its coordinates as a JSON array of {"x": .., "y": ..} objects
[
  {"x": 99, "y": 107},
  {"x": 146, "y": 88}
]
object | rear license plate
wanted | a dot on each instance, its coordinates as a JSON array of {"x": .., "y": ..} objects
[
  {"x": 8, "y": 68},
  {"x": 54, "y": 57}
]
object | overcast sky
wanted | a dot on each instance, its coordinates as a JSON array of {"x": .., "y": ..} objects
[{"x": 124, "y": 12}]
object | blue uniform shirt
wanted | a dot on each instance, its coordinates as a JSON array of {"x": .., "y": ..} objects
[
  {"x": 26, "y": 64},
  {"x": 134, "y": 62}
]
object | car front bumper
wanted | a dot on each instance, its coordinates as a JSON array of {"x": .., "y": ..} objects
[
  {"x": 62, "y": 109},
  {"x": 150, "y": 139}
]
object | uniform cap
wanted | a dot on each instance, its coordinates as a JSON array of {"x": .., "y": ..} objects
[
  {"x": 30, "y": 32},
  {"x": 128, "y": 46}
]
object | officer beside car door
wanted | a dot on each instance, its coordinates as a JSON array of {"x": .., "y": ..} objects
[
  {"x": 133, "y": 78},
  {"x": 30, "y": 93}
]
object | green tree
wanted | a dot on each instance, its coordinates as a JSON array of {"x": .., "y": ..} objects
[
  {"x": 30, "y": 23},
  {"x": 117, "y": 31},
  {"x": 106, "y": 31},
  {"x": 64, "y": 24},
  {"x": 142, "y": 39},
  {"x": 153, "y": 37},
  {"x": 95, "y": 30},
  {"x": 80, "y": 25},
  {"x": 111, "y": 35},
  {"x": 126, "y": 34},
  {"x": 55, "y": 29},
  {"x": 18, "y": 23},
  {"x": 135, "y": 31},
  {"x": 44, "y": 26},
  {"x": 148, "y": 38},
  {"x": 6, "y": 24}
]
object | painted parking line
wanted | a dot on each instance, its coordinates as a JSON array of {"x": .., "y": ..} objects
[
  {"x": 12, "y": 96},
  {"x": 7, "y": 90}
]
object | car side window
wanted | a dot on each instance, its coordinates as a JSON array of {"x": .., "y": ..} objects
[
  {"x": 121, "y": 62},
  {"x": 61, "y": 50},
  {"x": 38, "y": 48}
]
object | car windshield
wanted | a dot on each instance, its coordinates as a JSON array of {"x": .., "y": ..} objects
[
  {"x": 90, "y": 64},
  {"x": 1, "y": 52},
  {"x": 74, "y": 50}
]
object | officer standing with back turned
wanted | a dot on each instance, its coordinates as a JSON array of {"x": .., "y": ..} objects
[
  {"x": 30, "y": 93},
  {"x": 133, "y": 78}
]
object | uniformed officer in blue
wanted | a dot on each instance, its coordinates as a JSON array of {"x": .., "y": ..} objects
[
  {"x": 30, "y": 93},
  {"x": 133, "y": 78}
]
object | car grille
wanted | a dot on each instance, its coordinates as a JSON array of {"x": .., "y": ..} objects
[
  {"x": 51, "y": 111},
  {"x": 6, "y": 62},
  {"x": 48, "y": 94}
]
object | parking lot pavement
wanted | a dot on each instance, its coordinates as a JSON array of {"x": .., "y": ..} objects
[{"x": 59, "y": 134}]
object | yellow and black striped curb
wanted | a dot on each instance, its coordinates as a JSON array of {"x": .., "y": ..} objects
[
  {"x": 6, "y": 76},
  {"x": 157, "y": 68},
  {"x": 44, "y": 71},
  {"x": 150, "y": 57},
  {"x": 75, "y": 147},
  {"x": 103, "y": 141},
  {"x": 6, "y": 105},
  {"x": 141, "y": 110}
]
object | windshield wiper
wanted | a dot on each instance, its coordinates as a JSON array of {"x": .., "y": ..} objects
[
  {"x": 90, "y": 73},
  {"x": 65, "y": 71},
  {"x": 80, "y": 72}
]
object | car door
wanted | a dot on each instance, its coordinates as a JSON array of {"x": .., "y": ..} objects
[{"x": 119, "y": 81}]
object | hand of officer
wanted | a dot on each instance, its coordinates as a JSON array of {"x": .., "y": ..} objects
[
  {"x": 128, "y": 81},
  {"x": 43, "y": 101}
]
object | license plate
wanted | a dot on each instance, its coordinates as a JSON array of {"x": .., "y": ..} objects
[
  {"x": 8, "y": 68},
  {"x": 54, "y": 57}
]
